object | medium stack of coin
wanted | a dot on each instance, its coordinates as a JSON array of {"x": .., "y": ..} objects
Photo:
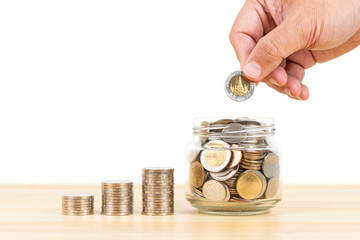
[
  {"x": 77, "y": 204},
  {"x": 117, "y": 197},
  {"x": 158, "y": 191},
  {"x": 234, "y": 162}
]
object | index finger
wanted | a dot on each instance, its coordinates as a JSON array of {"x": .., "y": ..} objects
[{"x": 247, "y": 29}]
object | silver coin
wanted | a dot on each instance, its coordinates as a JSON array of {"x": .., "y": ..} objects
[
  {"x": 221, "y": 178},
  {"x": 234, "y": 133},
  {"x": 238, "y": 88},
  {"x": 271, "y": 166},
  {"x": 272, "y": 187}
]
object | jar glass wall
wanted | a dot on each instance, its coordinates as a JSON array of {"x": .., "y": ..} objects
[{"x": 233, "y": 166}]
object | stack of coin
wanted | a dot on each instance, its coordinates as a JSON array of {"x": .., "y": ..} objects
[
  {"x": 78, "y": 204},
  {"x": 234, "y": 162},
  {"x": 158, "y": 191},
  {"x": 117, "y": 197},
  {"x": 252, "y": 160}
]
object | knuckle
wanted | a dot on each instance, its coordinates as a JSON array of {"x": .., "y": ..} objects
[{"x": 269, "y": 47}]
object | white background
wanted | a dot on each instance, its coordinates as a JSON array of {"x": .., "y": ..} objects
[{"x": 95, "y": 90}]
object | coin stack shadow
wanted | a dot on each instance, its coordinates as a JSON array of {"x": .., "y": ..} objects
[
  {"x": 77, "y": 204},
  {"x": 158, "y": 191},
  {"x": 117, "y": 198}
]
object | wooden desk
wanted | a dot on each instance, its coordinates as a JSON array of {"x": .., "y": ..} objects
[{"x": 306, "y": 212}]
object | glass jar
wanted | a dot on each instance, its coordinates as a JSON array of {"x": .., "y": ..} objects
[{"x": 233, "y": 166}]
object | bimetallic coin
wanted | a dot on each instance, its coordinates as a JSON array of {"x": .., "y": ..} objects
[
  {"x": 197, "y": 174},
  {"x": 215, "y": 191},
  {"x": 271, "y": 166},
  {"x": 215, "y": 160},
  {"x": 251, "y": 184},
  {"x": 238, "y": 88},
  {"x": 272, "y": 187}
]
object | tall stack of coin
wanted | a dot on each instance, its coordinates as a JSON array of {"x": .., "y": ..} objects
[
  {"x": 234, "y": 162},
  {"x": 158, "y": 191},
  {"x": 117, "y": 197},
  {"x": 78, "y": 204}
]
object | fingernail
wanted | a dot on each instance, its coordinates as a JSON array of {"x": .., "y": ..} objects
[
  {"x": 273, "y": 81},
  {"x": 287, "y": 91},
  {"x": 253, "y": 70}
]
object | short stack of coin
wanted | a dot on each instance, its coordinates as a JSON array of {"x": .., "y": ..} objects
[
  {"x": 77, "y": 204},
  {"x": 158, "y": 191},
  {"x": 117, "y": 197}
]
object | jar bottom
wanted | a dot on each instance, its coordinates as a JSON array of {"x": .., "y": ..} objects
[
  {"x": 239, "y": 208},
  {"x": 235, "y": 213}
]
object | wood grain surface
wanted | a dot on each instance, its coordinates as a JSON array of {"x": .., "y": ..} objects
[{"x": 306, "y": 212}]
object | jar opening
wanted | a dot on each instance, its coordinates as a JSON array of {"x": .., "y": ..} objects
[{"x": 242, "y": 131}]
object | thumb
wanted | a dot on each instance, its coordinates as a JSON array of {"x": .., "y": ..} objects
[{"x": 271, "y": 49}]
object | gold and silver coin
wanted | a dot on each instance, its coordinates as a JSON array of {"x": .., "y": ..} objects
[
  {"x": 77, "y": 204},
  {"x": 215, "y": 158},
  {"x": 238, "y": 88},
  {"x": 158, "y": 190},
  {"x": 117, "y": 197}
]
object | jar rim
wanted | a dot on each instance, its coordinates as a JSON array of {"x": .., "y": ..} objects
[
  {"x": 265, "y": 120},
  {"x": 244, "y": 130}
]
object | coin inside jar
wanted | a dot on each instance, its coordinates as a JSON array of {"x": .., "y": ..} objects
[
  {"x": 215, "y": 191},
  {"x": 271, "y": 167},
  {"x": 251, "y": 184},
  {"x": 229, "y": 173},
  {"x": 272, "y": 187},
  {"x": 238, "y": 88},
  {"x": 235, "y": 157},
  {"x": 215, "y": 160},
  {"x": 233, "y": 133},
  {"x": 197, "y": 174}
]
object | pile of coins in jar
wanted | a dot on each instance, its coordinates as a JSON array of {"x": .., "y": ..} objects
[{"x": 234, "y": 163}]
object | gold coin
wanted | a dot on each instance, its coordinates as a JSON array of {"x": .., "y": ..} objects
[
  {"x": 251, "y": 184},
  {"x": 215, "y": 191},
  {"x": 239, "y": 86},
  {"x": 215, "y": 158},
  {"x": 197, "y": 174}
]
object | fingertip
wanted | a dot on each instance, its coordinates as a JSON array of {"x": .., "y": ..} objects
[
  {"x": 294, "y": 86},
  {"x": 305, "y": 94},
  {"x": 279, "y": 76}
]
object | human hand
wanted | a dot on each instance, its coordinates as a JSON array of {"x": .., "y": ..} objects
[{"x": 276, "y": 40}]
